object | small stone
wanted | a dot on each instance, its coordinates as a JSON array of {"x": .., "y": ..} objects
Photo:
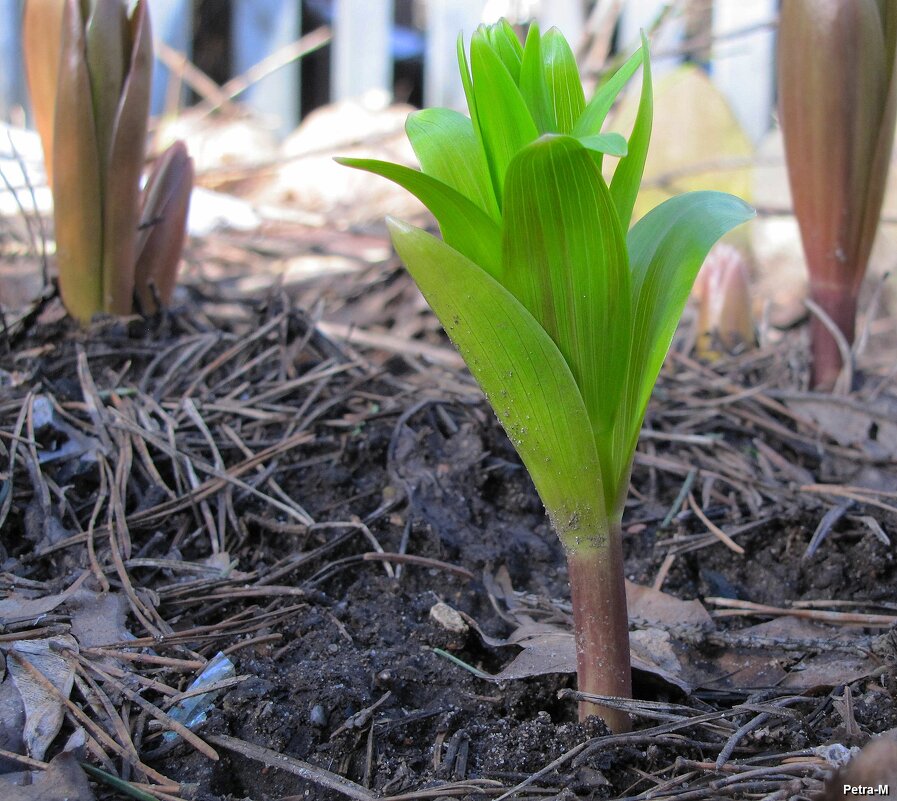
[
  {"x": 318, "y": 715},
  {"x": 384, "y": 678},
  {"x": 450, "y": 619}
]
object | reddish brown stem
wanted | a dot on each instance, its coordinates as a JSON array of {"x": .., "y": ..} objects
[
  {"x": 840, "y": 304},
  {"x": 601, "y": 625}
]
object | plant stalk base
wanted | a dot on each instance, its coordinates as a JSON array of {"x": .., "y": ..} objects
[
  {"x": 840, "y": 304},
  {"x": 602, "y": 628}
]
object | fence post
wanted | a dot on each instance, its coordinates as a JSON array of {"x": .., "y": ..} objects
[
  {"x": 12, "y": 81},
  {"x": 568, "y": 16},
  {"x": 172, "y": 23},
  {"x": 362, "y": 52},
  {"x": 445, "y": 20},
  {"x": 640, "y": 15},
  {"x": 742, "y": 66},
  {"x": 258, "y": 28}
]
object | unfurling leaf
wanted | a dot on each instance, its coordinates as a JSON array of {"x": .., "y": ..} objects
[
  {"x": 41, "y": 41},
  {"x": 163, "y": 227}
]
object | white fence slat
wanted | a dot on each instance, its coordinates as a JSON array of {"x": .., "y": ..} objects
[
  {"x": 259, "y": 27},
  {"x": 12, "y": 76},
  {"x": 445, "y": 19},
  {"x": 743, "y": 66},
  {"x": 638, "y": 15},
  {"x": 362, "y": 53},
  {"x": 568, "y": 16},
  {"x": 172, "y": 23}
]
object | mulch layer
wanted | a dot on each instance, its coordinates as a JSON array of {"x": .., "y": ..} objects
[{"x": 337, "y": 513}]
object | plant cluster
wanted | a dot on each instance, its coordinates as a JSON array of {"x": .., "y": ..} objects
[
  {"x": 89, "y": 68},
  {"x": 562, "y": 313}
]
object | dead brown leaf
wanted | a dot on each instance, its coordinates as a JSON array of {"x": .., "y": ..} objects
[
  {"x": 63, "y": 780},
  {"x": 44, "y": 711}
]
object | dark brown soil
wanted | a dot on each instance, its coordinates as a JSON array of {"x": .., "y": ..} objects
[{"x": 352, "y": 676}]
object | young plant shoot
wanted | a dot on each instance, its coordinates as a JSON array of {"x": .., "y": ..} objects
[
  {"x": 722, "y": 289},
  {"x": 562, "y": 317},
  {"x": 89, "y": 66},
  {"x": 838, "y": 127}
]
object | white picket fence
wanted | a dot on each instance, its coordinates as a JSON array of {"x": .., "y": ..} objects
[{"x": 364, "y": 42}]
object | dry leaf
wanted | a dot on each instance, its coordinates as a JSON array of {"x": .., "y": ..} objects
[
  {"x": 98, "y": 618},
  {"x": 874, "y": 767},
  {"x": 656, "y": 648},
  {"x": 44, "y": 711},
  {"x": 17, "y": 607},
  {"x": 871, "y": 428},
  {"x": 63, "y": 780}
]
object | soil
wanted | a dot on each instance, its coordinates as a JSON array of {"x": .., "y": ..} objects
[{"x": 353, "y": 674}]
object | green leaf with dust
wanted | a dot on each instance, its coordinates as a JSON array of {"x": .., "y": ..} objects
[{"x": 522, "y": 373}]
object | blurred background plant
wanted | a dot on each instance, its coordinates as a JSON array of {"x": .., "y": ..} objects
[
  {"x": 89, "y": 69},
  {"x": 722, "y": 290}
]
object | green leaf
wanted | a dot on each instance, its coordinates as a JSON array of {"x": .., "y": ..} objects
[
  {"x": 505, "y": 122},
  {"x": 565, "y": 259},
  {"x": 533, "y": 85},
  {"x": 564, "y": 84},
  {"x": 504, "y": 42},
  {"x": 611, "y": 143},
  {"x": 467, "y": 83},
  {"x": 592, "y": 119},
  {"x": 666, "y": 250},
  {"x": 523, "y": 375},
  {"x": 464, "y": 225},
  {"x": 628, "y": 176},
  {"x": 449, "y": 150}
]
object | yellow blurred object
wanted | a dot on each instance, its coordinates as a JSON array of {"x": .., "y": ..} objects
[
  {"x": 696, "y": 142},
  {"x": 725, "y": 322}
]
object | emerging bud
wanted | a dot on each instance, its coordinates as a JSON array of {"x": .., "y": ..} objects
[
  {"x": 163, "y": 226},
  {"x": 725, "y": 322}
]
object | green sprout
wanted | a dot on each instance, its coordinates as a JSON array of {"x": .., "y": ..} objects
[{"x": 563, "y": 318}]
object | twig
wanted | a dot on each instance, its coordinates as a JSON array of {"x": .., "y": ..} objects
[
  {"x": 297, "y": 767},
  {"x": 713, "y": 528}
]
